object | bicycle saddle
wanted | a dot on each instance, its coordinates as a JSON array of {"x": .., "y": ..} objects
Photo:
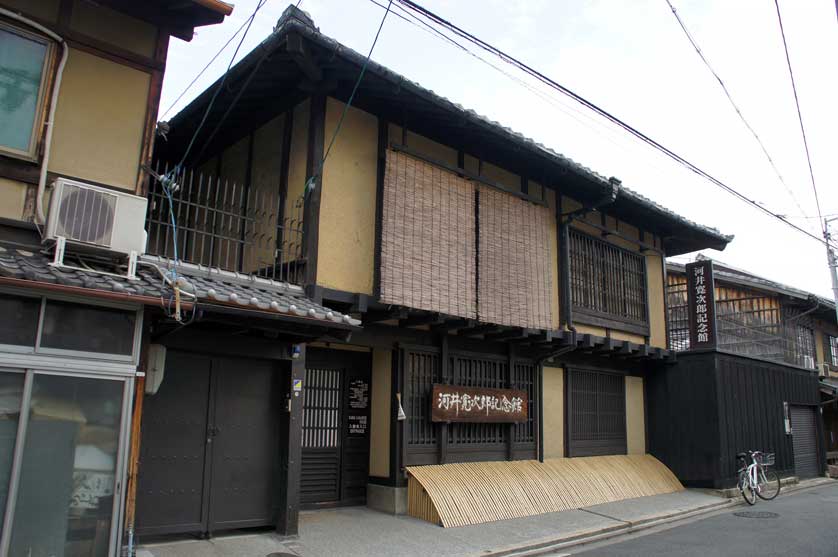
[{"x": 742, "y": 455}]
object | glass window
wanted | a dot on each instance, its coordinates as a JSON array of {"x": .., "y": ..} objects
[
  {"x": 70, "y": 326},
  {"x": 20, "y": 320},
  {"x": 11, "y": 394},
  {"x": 66, "y": 490},
  {"x": 22, "y": 61}
]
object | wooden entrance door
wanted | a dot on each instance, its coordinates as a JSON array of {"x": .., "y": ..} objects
[
  {"x": 335, "y": 436},
  {"x": 210, "y": 446},
  {"x": 596, "y": 413}
]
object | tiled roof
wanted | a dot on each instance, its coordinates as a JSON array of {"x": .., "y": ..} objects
[{"x": 207, "y": 285}]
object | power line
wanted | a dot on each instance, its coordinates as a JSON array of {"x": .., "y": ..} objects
[
  {"x": 197, "y": 77},
  {"x": 590, "y": 105},
  {"x": 799, "y": 115},
  {"x": 733, "y": 104},
  {"x": 354, "y": 90}
]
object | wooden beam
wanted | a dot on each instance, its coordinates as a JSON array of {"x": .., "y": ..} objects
[
  {"x": 419, "y": 319},
  {"x": 376, "y": 316},
  {"x": 536, "y": 337},
  {"x": 302, "y": 56},
  {"x": 479, "y": 330},
  {"x": 311, "y": 211},
  {"x": 515, "y": 333},
  {"x": 454, "y": 324}
]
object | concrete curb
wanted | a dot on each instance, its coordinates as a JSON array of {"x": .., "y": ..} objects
[{"x": 550, "y": 545}]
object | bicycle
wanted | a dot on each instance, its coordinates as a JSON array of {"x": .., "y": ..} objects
[{"x": 755, "y": 480}]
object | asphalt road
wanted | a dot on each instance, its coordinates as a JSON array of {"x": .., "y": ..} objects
[{"x": 807, "y": 525}]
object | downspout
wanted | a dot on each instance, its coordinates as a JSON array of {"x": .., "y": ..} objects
[
  {"x": 607, "y": 199},
  {"x": 40, "y": 216}
]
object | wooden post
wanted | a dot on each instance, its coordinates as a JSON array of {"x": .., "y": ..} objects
[
  {"x": 288, "y": 520},
  {"x": 510, "y": 373},
  {"x": 314, "y": 170},
  {"x": 136, "y": 430},
  {"x": 442, "y": 427}
]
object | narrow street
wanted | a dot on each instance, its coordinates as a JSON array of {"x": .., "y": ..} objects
[{"x": 804, "y": 525}]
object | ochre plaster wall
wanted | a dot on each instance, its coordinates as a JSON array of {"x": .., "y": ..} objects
[
  {"x": 553, "y": 412},
  {"x": 100, "y": 121},
  {"x": 382, "y": 361},
  {"x": 655, "y": 294},
  {"x": 114, "y": 28},
  {"x": 346, "y": 249},
  {"x": 12, "y": 199},
  {"x": 635, "y": 416}
]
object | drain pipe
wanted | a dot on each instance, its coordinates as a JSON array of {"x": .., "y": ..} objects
[
  {"x": 608, "y": 198},
  {"x": 40, "y": 216}
]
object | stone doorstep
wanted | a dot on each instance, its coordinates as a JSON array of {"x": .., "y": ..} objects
[{"x": 549, "y": 545}]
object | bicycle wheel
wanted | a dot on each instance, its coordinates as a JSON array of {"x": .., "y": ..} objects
[
  {"x": 769, "y": 484},
  {"x": 748, "y": 494}
]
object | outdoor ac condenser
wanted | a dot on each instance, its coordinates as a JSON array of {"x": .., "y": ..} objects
[{"x": 96, "y": 218}]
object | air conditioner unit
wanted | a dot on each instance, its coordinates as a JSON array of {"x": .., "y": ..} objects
[{"x": 96, "y": 218}]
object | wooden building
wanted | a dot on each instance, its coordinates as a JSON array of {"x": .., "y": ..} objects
[
  {"x": 755, "y": 386},
  {"x": 86, "y": 315},
  {"x": 474, "y": 258}
]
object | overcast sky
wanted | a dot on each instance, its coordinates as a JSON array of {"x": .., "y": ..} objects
[{"x": 631, "y": 58}]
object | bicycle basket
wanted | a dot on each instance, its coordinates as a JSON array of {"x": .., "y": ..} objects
[{"x": 766, "y": 459}]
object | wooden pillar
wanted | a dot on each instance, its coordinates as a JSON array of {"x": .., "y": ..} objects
[
  {"x": 383, "y": 142},
  {"x": 442, "y": 427},
  {"x": 314, "y": 172},
  {"x": 510, "y": 428},
  {"x": 289, "y": 511},
  {"x": 134, "y": 446}
]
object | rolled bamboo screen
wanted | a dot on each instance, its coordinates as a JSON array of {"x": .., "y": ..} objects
[
  {"x": 515, "y": 279},
  {"x": 428, "y": 249}
]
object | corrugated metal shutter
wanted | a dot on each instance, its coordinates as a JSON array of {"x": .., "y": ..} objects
[
  {"x": 428, "y": 249},
  {"x": 515, "y": 277},
  {"x": 804, "y": 437},
  {"x": 596, "y": 413}
]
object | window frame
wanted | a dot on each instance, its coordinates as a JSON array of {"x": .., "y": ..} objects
[
  {"x": 596, "y": 317},
  {"x": 831, "y": 350},
  {"x": 32, "y": 154}
]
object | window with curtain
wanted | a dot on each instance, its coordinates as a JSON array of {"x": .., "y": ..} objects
[{"x": 24, "y": 59}]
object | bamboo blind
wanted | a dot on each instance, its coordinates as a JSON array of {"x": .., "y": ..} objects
[
  {"x": 428, "y": 248},
  {"x": 477, "y": 492},
  {"x": 515, "y": 281}
]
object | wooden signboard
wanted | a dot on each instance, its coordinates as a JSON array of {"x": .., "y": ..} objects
[
  {"x": 450, "y": 403},
  {"x": 701, "y": 302}
]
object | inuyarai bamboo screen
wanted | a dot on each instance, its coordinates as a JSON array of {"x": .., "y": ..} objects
[
  {"x": 428, "y": 255},
  {"x": 514, "y": 270}
]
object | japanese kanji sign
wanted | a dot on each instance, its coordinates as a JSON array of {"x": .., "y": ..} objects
[
  {"x": 450, "y": 403},
  {"x": 701, "y": 301}
]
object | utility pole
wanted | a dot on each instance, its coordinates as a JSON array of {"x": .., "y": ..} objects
[{"x": 830, "y": 256}]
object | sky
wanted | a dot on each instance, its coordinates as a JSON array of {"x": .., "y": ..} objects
[{"x": 631, "y": 58}]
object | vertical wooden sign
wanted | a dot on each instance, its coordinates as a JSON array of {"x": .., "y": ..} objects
[{"x": 701, "y": 301}]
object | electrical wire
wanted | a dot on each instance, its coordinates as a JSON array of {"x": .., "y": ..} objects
[
  {"x": 438, "y": 20},
  {"x": 197, "y": 77},
  {"x": 351, "y": 96},
  {"x": 799, "y": 115},
  {"x": 733, "y": 104}
]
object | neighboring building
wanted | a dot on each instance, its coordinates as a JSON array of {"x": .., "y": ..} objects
[
  {"x": 474, "y": 257},
  {"x": 752, "y": 385},
  {"x": 80, "y": 84}
]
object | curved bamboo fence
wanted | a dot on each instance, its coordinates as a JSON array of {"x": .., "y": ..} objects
[{"x": 477, "y": 492}]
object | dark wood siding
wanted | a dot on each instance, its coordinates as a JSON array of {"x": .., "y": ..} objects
[{"x": 711, "y": 405}]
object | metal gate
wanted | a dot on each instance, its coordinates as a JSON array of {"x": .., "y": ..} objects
[
  {"x": 805, "y": 441},
  {"x": 210, "y": 447},
  {"x": 335, "y": 429},
  {"x": 596, "y": 413}
]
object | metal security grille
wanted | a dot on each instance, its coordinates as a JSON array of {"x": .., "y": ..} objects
[
  {"x": 321, "y": 408},
  {"x": 597, "y": 413},
  {"x": 804, "y": 440},
  {"x": 606, "y": 280}
]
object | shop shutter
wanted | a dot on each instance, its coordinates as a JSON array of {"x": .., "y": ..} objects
[
  {"x": 428, "y": 249},
  {"x": 515, "y": 281},
  {"x": 804, "y": 439}
]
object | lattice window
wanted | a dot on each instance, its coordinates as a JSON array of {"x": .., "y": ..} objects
[
  {"x": 597, "y": 413},
  {"x": 607, "y": 280},
  {"x": 321, "y": 409},
  {"x": 803, "y": 349},
  {"x": 421, "y": 372},
  {"x": 523, "y": 377},
  {"x": 478, "y": 372},
  {"x": 678, "y": 312},
  {"x": 831, "y": 344}
]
